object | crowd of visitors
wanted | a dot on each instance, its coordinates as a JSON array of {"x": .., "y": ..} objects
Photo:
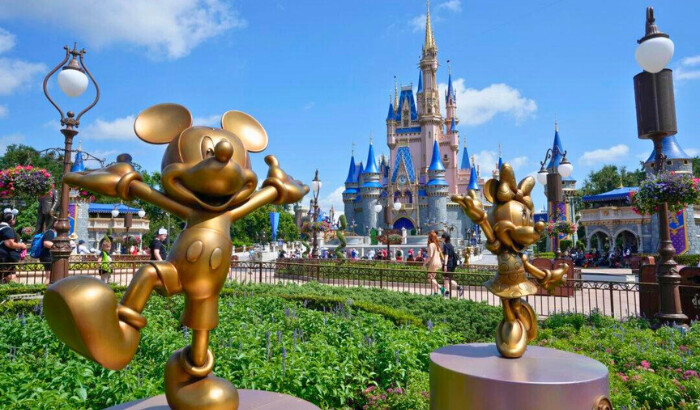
[{"x": 14, "y": 250}]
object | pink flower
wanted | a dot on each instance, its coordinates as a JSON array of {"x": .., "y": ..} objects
[
  {"x": 370, "y": 389},
  {"x": 646, "y": 364},
  {"x": 683, "y": 348},
  {"x": 690, "y": 373},
  {"x": 398, "y": 390}
]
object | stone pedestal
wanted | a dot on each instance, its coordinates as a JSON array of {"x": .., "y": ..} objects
[
  {"x": 248, "y": 399},
  {"x": 474, "y": 376}
]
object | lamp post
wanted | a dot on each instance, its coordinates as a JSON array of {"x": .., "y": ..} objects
[
  {"x": 316, "y": 188},
  {"x": 73, "y": 81},
  {"x": 656, "y": 120},
  {"x": 551, "y": 178}
]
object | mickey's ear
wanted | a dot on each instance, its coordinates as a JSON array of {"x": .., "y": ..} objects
[
  {"x": 247, "y": 128},
  {"x": 162, "y": 123}
]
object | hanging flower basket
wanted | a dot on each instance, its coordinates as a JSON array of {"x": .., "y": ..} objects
[
  {"x": 678, "y": 191},
  {"x": 560, "y": 227},
  {"x": 81, "y": 195},
  {"x": 25, "y": 181}
]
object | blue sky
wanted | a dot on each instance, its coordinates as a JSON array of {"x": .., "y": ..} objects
[{"x": 317, "y": 74}]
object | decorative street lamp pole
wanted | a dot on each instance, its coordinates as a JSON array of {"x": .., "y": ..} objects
[
  {"x": 551, "y": 177},
  {"x": 73, "y": 81},
  {"x": 656, "y": 120},
  {"x": 316, "y": 188}
]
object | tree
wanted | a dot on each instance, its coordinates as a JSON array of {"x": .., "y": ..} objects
[
  {"x": 696, "y": 167},
  {"x": 246, "y": 230},
  {"x": 610, "y": 177}
]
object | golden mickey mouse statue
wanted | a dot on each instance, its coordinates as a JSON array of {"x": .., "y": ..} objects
[
  {"x": 206, "y": 180},
  {"x": 509, "y": 229}
]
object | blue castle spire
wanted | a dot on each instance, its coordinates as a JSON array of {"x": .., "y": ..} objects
[
  {"x": 78, "y": 165},
  {"x": 371, "y": 167},
  {"x": 435, "y": 162},
  {"x": 391, "y": 114},
  {"x": 473, "y": 183},
  {"x": 351, "y": 171},
  {"x": 466, "y": 164},
  {"x": 453, "y": 125},
  {"x": 557, "y": 149},
  {"x": 450, "y": 90},
  {"x": 420, "y": 81}
]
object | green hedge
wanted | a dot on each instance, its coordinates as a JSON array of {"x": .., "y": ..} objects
[{"x": 688, "y": 259}]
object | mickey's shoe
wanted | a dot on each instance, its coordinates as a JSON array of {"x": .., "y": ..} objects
[{"x": 83, "y": 312}]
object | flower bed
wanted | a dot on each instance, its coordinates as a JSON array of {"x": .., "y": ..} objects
[{"x": 336, "y": 347}]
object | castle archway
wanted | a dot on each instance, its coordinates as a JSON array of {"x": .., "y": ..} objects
[{"x": 404, "y": 223}]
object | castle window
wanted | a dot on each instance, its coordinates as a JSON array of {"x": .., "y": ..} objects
[
  {"x": 668, "y": 162},
  {"x": 685, "y": 162}
]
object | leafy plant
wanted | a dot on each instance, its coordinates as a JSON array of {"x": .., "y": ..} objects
[{"x": 676, "y": 190}]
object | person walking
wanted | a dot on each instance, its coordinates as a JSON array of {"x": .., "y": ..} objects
[
  {"x": 10, "y": 248},
  {"x": 434, "y": 261},
  {"x": 449, "y": 267},
  {"x": 158, "y": 252},
  {"x": 105, "y": 259},
  {"x": 45, "y": 257}
]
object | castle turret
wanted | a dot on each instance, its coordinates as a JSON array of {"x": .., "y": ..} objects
[
  {"x": 473, "y": 180},
  {"x": 437, "y": 188},
  {"x": 466, "y": 164},
  {"x": 676, "y": 159},
  {"x": 351, "y": 190},
  {"x": 391, "y": 125},
  {"x": 370, "y": 190},
  {"x": 430, "y": 118}
]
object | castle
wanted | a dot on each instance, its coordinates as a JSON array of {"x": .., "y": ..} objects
[{"x": 411, "y": 189}]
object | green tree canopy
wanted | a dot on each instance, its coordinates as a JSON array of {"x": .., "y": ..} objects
[
  {"x": 696, "y": 167},
  {"x": 247, "y": 230},
  {"x": 610, "y": 177}
]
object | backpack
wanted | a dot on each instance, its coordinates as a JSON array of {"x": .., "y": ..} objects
[
  {"x": 452, "y": 256},
  {"x": 37, "y": 245}
]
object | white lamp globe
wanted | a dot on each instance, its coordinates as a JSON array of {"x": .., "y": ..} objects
[
  {"x": 115, "y": 213},
  {"x": 397, "y": 206},
  {"x": 542, "y": 177},
  {"x": 653, "y": 54},
  {"x": 72, "y": 82},
  {"x": 141, "y": 213},
  {"x": 377, "y": 208},
  {"x": 565, "y": 169}
]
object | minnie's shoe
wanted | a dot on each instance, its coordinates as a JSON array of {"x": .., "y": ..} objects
[{"x": 83, "y": 312}]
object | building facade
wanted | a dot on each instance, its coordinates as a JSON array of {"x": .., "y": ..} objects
[
  {"x": 610, "y": 220},
  {"x": 413, "y": 186}
]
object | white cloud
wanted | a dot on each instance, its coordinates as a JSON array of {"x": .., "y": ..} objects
[
  {"x": 9, "y": 140},
  {"x": 476, "y": 107},
  {"x": 691, "y": 61},
  {"x": 3, "y": 111},
  {"x": 452, "y": 5},
  {"x": 519, "y": 162},
  {"x": 117, "y": 129},
  {"x": 168, "y": 29},
  {"x": 308, "y": 106},
  {"x": 607, "y": 155},
  {"x": 335, "y": 199},
  {"x": 213, "y": 120},
  {"x": 15, "y": 74},
  {"x": 693, "y": 152},
  {"x": 487, "y": 161},
  {"x": 418, "y": 23},
  {"x": 688, "y": 69},
  {"x": 7, "y": 40}
]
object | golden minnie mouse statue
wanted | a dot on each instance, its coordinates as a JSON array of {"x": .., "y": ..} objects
[
  {"x": 207, "y": 180},
  {"x": 509, "y": 229}
]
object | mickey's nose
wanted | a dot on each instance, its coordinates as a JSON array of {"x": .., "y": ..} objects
[{"x": 223, "y": 151}]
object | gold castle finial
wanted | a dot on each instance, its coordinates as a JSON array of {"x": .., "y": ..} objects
[
  {"x": 556, "y": 124},
  {"x": 429, "y": 40},
  {"x": 352, "y": 152},
  {"x": 371, "y": 138}
]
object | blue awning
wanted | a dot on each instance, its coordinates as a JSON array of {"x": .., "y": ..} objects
[
  {"x": 96, "y": 208},
  {"x": 614, "y": 195}
]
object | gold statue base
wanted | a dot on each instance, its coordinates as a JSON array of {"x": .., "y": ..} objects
[
  {"x": 474, "y": 376},
  {"x": 249, "y": 400}
]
